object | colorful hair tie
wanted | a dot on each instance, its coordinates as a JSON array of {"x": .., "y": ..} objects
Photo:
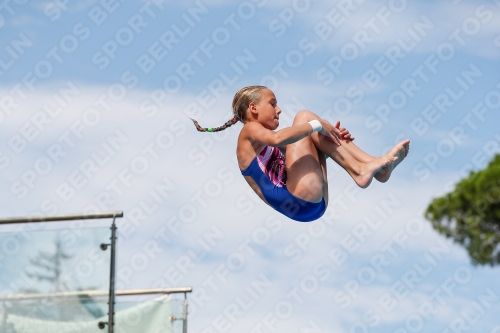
[{"x": 209, "y": 129}]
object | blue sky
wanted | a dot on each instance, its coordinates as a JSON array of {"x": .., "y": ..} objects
[{"x": 94, "y": 104}]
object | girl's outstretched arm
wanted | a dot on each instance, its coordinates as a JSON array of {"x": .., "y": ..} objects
[{"x": 255, "y": 132}]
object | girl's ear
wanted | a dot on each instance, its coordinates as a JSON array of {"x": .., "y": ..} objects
[{"x": 253, "y": 108}]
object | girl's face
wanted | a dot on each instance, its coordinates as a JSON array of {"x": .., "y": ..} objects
[{"x": 267, "y": 110}]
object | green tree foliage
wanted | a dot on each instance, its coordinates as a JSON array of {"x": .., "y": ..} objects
[{"x": 470, "y": 215}]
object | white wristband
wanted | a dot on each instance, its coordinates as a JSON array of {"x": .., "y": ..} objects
[{"x": 316, "y": 125}]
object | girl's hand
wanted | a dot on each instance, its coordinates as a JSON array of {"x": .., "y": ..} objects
[
  {"x": 344, "y": 133},
  {"x": 330, "y": 131}
]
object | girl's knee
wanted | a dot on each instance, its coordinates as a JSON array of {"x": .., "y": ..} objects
[{"x": 305, "y": 116}]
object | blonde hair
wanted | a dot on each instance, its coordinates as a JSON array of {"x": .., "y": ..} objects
[{"x": 241, "y": 101}]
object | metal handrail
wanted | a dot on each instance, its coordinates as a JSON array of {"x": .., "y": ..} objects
[
  {"x": 96, "y": 293},
  {"x": 68, "y": 217}
]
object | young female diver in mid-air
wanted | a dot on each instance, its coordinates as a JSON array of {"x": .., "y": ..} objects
[{"x": 297, "y": 186}]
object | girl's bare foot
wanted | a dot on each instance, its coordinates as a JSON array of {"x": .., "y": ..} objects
[
  {"x": 385, "y": 173},
  {"x": 365, "y": 176},
  {"x": 383, "y": 165}
]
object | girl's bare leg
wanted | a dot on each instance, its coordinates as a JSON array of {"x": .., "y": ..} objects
[
  {"x": 361, "y": 172},
  {"x": 368, "y": 162},
  {"x": 306, "y": 168},
  {"x": 303, "y": 168}
]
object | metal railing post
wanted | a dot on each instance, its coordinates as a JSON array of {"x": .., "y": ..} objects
[
  {"x": 184, "y": 314},
  {"x": 4, "y": 318},
  {"x": 111, "y": 302}
]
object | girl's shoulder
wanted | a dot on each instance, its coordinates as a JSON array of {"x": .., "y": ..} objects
[
  {"x": 252, "y": 131},
  {"x": 248, "y": 138},
  {"x": 247, "y": 134},
  {"x": 251, "y": 125}
]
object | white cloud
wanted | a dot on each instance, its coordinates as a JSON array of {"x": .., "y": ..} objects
[{"x": 478, "y": 25}]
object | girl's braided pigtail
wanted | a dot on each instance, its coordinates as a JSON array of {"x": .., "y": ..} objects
[
  {"x": 228, "y": 123},
  {"x": 241, "y": 101}
]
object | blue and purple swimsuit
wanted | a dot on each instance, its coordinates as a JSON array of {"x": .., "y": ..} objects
[{"x": 268, "y": 170}]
